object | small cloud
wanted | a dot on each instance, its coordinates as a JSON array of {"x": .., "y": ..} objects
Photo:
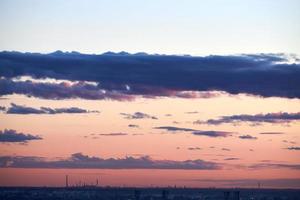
[
  {"x": 138, "y": 115},
  {"x": 271, "y": 133},
  {"x": 2, "y": 108},
  {"x": 113, "y": 134},
  {"x": 194, "y": 148},
  {"x": 137, "y": 134},
  {"x": 291, "y": 142},
  {"x": 231, "y": 159},
  {"x": 9, "y": 135},
  {"x": 294, "y": 148},
  {"x": 192, "y": 112},
  {"x": 213, "y": 133},
  {"x": 133, "y": 126},
  {"x": 225, "y": 149},
  {"x": 247, "y": 137}
]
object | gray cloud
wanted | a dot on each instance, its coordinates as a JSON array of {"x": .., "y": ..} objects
[
  {"x": 138, "y": 115},
  {"x": 78, "y": 160},
  {"x": 208, "y": 133},
  {"x": 280, "y": 117},
  {"x": 9, "y": 135},
  {"x": 20, "y": 109},
  {"x": 2, "y": 108},
  {"x": 247, "y": 137}
]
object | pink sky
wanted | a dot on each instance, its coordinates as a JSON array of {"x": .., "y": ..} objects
[{"x": 65, "y": 134}]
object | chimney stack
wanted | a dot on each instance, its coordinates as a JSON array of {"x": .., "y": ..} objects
[{"x": 67, "y": 181}]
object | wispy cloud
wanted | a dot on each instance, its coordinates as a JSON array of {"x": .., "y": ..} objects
[
  {"x": 113, "y": 134},
  {"x": 79, "y": 160},
  {"x": 274, "y": 166},
  {"x": 271, "y": 133},
  {"x": 275, "y": 118},
  {"x": 192, "y": 112},
  {"x": 225, "y": 149},
  {"x": 9, "y": 135}
]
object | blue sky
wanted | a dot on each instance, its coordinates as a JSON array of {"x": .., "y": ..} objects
[{"x": 168, "y": 26}]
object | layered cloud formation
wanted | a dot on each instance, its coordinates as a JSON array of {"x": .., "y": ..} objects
[
  {"x": 124, "y": 76},
  {"x": 78, "y": 160},
  {"x": 9, "y": 135}
]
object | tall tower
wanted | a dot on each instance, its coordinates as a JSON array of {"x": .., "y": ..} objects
[{"x": 67, "y": 181}]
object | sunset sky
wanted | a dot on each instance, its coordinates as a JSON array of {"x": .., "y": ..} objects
[{"x": 150, "y": 93}]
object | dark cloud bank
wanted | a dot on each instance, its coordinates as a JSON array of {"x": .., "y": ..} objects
[
  {"x": 78, "y": 160},
  {"x": 122, "y": 76},
  {"x": 9, "y": 135},
  {"x": 81, "y": 161},
  {"x": 21, "y": 109}
]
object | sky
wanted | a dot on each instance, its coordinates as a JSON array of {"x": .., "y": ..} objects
[
  {"x": 152, "y": 93},
  {"x": 169, "y": 26}
]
